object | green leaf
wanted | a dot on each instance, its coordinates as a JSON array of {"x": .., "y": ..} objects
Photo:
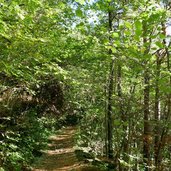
[
  {"x": 1, "y": 169},
  {"x": 115, "y": 35},
  {"x": 113, "y": 49},
  {"x": 162, "y": 36},
  {"x": 79, "y": 13},
  {"x": 80, "y": 1},
  {"x": 159, "y": 44},
  {"x": 138, "y": 28},
  {"x": 117, "y": 122},
  {"x": 128, "y": 24}
]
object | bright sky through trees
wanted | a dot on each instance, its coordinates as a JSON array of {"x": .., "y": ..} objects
[{"x": 168, "y": 30}]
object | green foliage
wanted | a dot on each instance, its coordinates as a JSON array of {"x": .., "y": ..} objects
[
  {"x": 79, "y": 13},
  {"x": 25, "y": 141},
  {"x": 138, "y": 28},
  {"x": 81, "y": 1},
  {"x": 56, "y": 55}
]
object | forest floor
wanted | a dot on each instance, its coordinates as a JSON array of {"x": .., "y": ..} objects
[{"x": 60, "y": 156}]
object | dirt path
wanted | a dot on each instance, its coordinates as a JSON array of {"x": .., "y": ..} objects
[{"x": 60, "y": 156}]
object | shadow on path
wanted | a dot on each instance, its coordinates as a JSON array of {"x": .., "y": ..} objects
[{"x": 60, "y": 156}]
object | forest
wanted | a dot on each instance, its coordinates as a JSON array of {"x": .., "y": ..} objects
[{"x": 91, "y": 77}]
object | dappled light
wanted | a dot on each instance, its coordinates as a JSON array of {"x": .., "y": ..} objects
[
  {"x": 60, "y": 155},
  {"x": 85, "y": 85}
]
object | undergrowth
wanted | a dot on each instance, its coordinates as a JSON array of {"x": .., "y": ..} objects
[{"x": 22, "y": 142}]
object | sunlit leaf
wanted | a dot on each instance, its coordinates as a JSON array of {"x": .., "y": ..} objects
[
  {"x": 159, "y": 44},
  {"x": 80, "y": 1},
  {"x": 79, "y": 12},
  {"x": 115, "y": 35},
  {"x": 138, "y": 28}
]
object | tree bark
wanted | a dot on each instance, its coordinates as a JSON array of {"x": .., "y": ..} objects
[
  {"x": 110, "y": 93},
  {"x": 156, "y": 110},
  {"x": 147, "y": 131},
  {"x": 159, "y": 139},
  {"x": 146, "y": 148},
  {"x": 124, "y": 143}
]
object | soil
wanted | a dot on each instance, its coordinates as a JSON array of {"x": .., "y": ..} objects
[{"x": 61, "y": 156}]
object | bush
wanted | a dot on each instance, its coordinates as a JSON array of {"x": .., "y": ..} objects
[{"x": 23, "y": 142}]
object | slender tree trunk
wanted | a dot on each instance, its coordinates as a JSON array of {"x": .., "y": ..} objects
[
  {"x": 159, "y": 140},
  {"x": 165, "y": 130},
  {"x": 156, "y": 111},
  {"x": 146, "y": 149},
  {"x": 109, "y": 114},
  {"x": 124, "y": 144},
  {"x": 146, "y": 137},
  {"x": 110, "y": 93}
]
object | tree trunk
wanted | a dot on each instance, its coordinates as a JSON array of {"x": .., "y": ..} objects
[
  {"x": 159, "y": 140},
  {"x": 110, "y": 93},
  {"x": 156, "y": 111},
  {"x": 124, "y": 143},
  {"x": 109, "y": 114},
  {"x": 146, "y": 149},
  {"x": 147, "y": 131}
]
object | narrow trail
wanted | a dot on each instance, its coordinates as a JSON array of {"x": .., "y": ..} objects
[{"x": 60, "y": 156}]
